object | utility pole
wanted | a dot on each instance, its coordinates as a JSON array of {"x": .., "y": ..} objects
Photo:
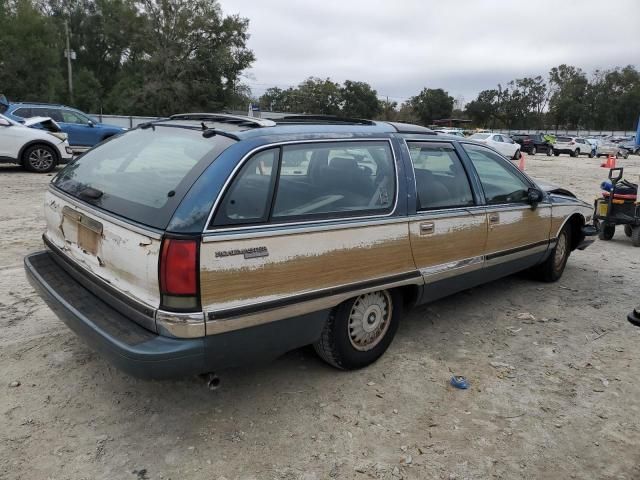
[{"x": 68, "y": 53}]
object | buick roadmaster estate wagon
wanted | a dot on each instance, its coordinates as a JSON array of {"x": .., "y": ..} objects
[{"x": 204, "y": 241}]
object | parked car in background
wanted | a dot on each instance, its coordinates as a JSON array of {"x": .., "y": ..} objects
[
  {"x": 36, "y": 149},
  {"x": 501, "y": 142},
  {"x": 631, "y": 146},
  {"x": 533, "y": 143},
  {"x": 204, "y": 241},
  {"x": 610, "y": 148},
  {"x": 574, "y": 146},
  {"x": 83, "y": 131},
  {"x": 444, "y": 131}
]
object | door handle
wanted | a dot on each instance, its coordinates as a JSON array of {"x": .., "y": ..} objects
[
  {"x": 494, "y": 218},
  {"x": 427, "y": 228}
]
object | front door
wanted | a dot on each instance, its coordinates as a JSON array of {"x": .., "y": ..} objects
[
  {"x": 518, "y": 232},
  {"x": 80, "y": 131},
  {"x": 449, "y": 230}
]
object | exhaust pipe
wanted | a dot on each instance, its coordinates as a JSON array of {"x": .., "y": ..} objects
[{"x": 212, "y": 380}]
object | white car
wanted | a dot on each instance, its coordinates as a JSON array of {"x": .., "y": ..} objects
[
  {"x": 36, "y": 149},
  {"x": 500, "y": 142},
  {"x": 574, "y": 146}
]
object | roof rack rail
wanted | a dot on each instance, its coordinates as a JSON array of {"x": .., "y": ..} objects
[
  {"x": 239, "y": 120},
  {"x": 325, "y": 119}
]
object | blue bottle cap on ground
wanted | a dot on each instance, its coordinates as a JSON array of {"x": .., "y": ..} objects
[{"x": 459, "y": 382}]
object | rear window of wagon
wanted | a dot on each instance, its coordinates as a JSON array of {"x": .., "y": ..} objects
[{"x": 143, "y": 174}]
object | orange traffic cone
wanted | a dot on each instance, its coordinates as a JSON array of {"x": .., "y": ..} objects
[
  {"x": 521, "y": 165},
  {"x": 612, "y": 161}
]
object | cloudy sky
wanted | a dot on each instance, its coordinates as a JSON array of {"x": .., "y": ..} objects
[{"x": 463, "y": 46}]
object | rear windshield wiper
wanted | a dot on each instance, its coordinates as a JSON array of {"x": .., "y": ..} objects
[{"x": 91, "y": 193}]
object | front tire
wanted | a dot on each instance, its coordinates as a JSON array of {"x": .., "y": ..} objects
[
  {"x": 360, "y": 330},
  {"x": 553, "y": 267},
  {"x": 534, "y": 150},
  {"x": 39, "y": 158},
  {"x": 557, "y": 154},
  {"x": 517, "y": 155},
  {"x": 635, "y": 237},
  {"x": 628, "y": 230}
]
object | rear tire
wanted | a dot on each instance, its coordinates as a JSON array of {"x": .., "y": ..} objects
[
  {"x": 628, "y": 230},
  {"x": 606, "y": 232},
  {"x": 553, "y": 267},
  {"x": 533, "y": 150},
  {"x": 635, "y": 237},
  {"x": 360, "y": 330},
  {"x": 39, "y": 158},
  {"x": 549, "y": 151},
  {"x": 575, "y": 153},
  {"x": 517, "y": 155}
]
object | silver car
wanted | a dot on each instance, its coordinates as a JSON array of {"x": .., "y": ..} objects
[{"x": 610, "y": 148}]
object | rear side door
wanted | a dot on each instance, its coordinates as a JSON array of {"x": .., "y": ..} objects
[
  {"x": 448, "y": 227},
  {"x": 518, "y": 234},
  {"x": 303, "y": 226}
]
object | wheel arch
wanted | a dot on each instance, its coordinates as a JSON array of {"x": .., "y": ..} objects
[
  {"x": 575, "y": 221},
  {"x": 32, "y": 143}
]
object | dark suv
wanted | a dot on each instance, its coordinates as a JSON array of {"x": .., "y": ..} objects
[{"x": 533, "y": 143}]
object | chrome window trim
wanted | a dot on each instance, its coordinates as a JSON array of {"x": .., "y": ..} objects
[
  {"x": 506, "y": 207},
  {"x": 273, "y": 230},
  {"x": 252, "y": 152},
  {"x": 110, "y": 218}
]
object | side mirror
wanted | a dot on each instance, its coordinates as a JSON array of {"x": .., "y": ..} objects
[
  {"x": 90, "y": 123},
  {"x": 4, "y": 123},
  {"x": 534, "y": 196}
]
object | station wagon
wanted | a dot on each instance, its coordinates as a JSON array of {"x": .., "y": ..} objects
[{"x": 205, "y": 241}]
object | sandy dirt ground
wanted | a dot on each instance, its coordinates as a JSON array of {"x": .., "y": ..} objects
[{"x": 554, "y": 372}]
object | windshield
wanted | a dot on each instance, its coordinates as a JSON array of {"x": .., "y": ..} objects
[
  {"x": 141, "y": 175},
  {"x": 479, "y": 136}
]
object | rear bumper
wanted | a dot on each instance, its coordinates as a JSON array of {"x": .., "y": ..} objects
[
  {"x": 145, "y": 354},
  {"x": 130, "y": 347}
]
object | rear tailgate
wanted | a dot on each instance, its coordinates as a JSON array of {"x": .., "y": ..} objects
[
  {"x": 116, "y": 253},
  {"x": 564, "y": 143}
]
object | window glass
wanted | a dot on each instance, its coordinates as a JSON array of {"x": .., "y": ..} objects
[
  {"x": 497, "y": 138},
  {"x": 22, "y": 112},
  {"x": 72, "y": 117},
  {"x": 142, "y": 174},
  {"x": 499, "y": 182},
  {"x": 247, "y": 201},
  {"x": 440, "y": 178},
  {"x": 563, "y": 139},
  {"x": 335, "y": 179}
]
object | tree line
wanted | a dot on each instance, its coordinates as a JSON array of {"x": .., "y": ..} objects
[
  {"x": 157, "y": 57},
  {"x": 140, "y": 57}
]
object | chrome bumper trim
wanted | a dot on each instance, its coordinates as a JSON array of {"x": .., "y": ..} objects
[{"x": 180, "y": 325}]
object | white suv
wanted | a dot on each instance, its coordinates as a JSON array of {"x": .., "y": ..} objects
[
  {"x": 38, "y": 150},
  {"x": 574, "y": 146}
]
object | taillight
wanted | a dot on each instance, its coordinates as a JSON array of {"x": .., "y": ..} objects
[
  {"x": 572, "y": 143},
  {"x": 179, "y": 274}
]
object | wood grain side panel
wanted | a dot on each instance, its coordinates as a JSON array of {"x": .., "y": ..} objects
[
  {"x": 560, "y": 215},
  {"x": 301, "y": 263},
  {"x": 453, "y": 238},
  {"x": 519, "y": 227}
]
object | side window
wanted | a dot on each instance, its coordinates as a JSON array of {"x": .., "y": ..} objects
[
  {"x": 22, "y": 112},
  {"x": 247, "y": 200},
  {"x": 500, "y": 184},
  {"x": 72, "y": 117},
  {"x": 335, "y": 179},
  {"x": 441, "y": 180},
  {"x": 497, "y": 138}
]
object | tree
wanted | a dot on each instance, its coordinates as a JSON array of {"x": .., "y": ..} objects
[
  {"x": 432, "y": 104},
  {"x": 319, "y": 96},
  {"x": 359, "y": 100},
  {"x": 484, "y": 109},
  {"x": 568, "y": 86}
]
